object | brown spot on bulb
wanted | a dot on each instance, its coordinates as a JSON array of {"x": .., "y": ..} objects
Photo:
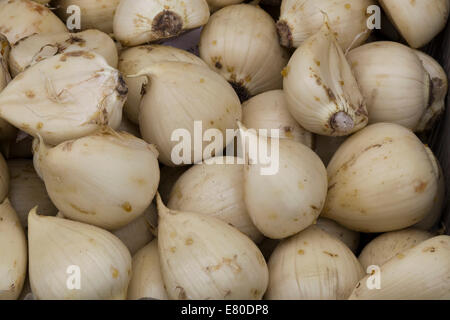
[
  {"x": 333, "y": 255},
  {"x": 127, "y": 206},
  {"x": 167, "y": 24},
  {"x": 420, "y": 186},
  {"x": 30, "y": 94},
  {"x": 114, "y": 272}
]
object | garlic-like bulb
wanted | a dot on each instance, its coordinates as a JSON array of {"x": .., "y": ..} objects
[
  {"x": 213, "y": 260},
  {"x": 140, "y": 21},
  {"x": 138, "y": 232},
  {"x": 13, "y": 253},
  {"x": 405, "y": 14},
  {"x": 290, "y": 197},
  {"x": 215, "y": 5},
  {"x": 27, "y": 190},
  {"x": 107, "y": 179},
  {"x": 240, "y": 42},
  {"x": 421, "y": 273},
  {"x": 321, "y": 91},
  {"x": 146, "y": 280},
  {"x": 381, "y": 179},
  {"x": 268, "y": 111},
  {"x": 4, "y": 178},
  {"x": 169, "y": 176},
  {"x": 7, "y": 131},
  {"x": 22, "y": 18},
  {"x": 38, "y": 47},
  {"x": 178, "y": 95},
  {"x": 438, "y": 92},
  {"x": 135, "y": 59},
  {"x": 386, "y": 246},
  {"x": 312, "y": 265},
  {"x": 393, "y": 81},
  {"x": 217, "y": 190},
  {"x": 326, "y": 146},
  {"x": 349, "y": 237},
  {"x": 301, "y": 19},
  {"x": 434, "y": 214},
  {"x": 64, "y": 97},
  {"x": 98, "y": 14},
  {"x": 69, "y": 260}
]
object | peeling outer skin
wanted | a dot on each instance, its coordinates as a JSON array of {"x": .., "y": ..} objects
[
  {"x": 38, "y": 47},
  {"x": 167, "y": 24},
  {"x": 284, "y": 33},
  {"x": 21, "y": 18}
]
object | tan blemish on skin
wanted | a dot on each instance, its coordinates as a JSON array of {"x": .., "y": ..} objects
[
  {"x": 273, "y": 216},
  {"x": 301, "y": 186},
  {"x": 114, "y": 272},
  {"x": 333, "y": 255},
  {"x": 255, "y": 293},
  {"x": 29, "y": 94},
  {"x": 173, "y": 249},
  {"x": 39, "y": 125},
  {"x": 173, "y": 234},
  {"x": 429, "y": 249},
  {"x": 202, "y": 80},
  {"x": 420, "y": 186},
  {"x": 231, "y": 263},
  {"x": 81, "y": 210},
  {"x": 261, "y": 260},
  {"x": 57, "y": 66},
  {"x": 301, "y": 252},
  {"x": 285, "y": 71},
  {"x": 141, "y": 181},
  {"x": 348, "y": 6},
  {"x": 126, "y": 206},
  {"x": 189, "y": 241},
  {"x": 400, "y": 255},
  {"x": 214, "y": 42}
]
